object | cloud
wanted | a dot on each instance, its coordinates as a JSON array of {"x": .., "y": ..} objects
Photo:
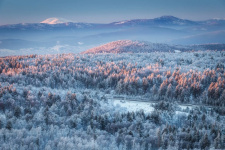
[
  {"x": 57, "y": 47},
  {"x": 80, "y": 43}
]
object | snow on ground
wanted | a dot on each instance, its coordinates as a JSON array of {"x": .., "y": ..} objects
[
  {"x": 133, "y": 105},
  {"x": 185, "y": 107}
]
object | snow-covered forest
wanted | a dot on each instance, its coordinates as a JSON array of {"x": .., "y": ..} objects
[
  {"x": 65, "y": 101},
  {"x": 135, "y": 46}
]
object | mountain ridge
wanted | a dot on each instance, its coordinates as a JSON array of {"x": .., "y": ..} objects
[
  {"x": 165, "y": 29},
  {"x": 171, "y": 19},
  {"x": 134, "y": 46}
]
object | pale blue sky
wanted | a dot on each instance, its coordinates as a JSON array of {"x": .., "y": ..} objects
[{"x": 105, "y": 11}]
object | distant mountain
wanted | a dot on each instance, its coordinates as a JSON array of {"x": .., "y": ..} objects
[
  {"x": 160, "y": 21},
  {"x": 47, "y": 25},
  {"x": 129, "y": 46},
  {"x": 58, "y": 31},
  {"x": 164, "y": 20},
  {"x": 173, "y": 20}
]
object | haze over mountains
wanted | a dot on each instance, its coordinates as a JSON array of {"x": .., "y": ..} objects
[{"x": 57, "y": 35}]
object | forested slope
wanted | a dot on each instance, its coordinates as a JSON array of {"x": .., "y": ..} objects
[{"x": 59, "y": 102}]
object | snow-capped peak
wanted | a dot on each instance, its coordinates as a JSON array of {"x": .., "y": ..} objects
[
  {"x": 55, "y": 20},
  {"x": 122, "y": 22}
]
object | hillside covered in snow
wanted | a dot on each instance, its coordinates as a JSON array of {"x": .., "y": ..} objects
[
  {"x": 129, "y": 46},
  {"x": 71, "y": 101}
]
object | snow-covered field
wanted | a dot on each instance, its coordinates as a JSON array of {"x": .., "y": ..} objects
[
  {"x": 147, "y": 107},
  {"x": 133, "y": 105}
]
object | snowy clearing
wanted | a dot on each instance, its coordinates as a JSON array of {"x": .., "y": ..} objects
[{"x": 133, "y": 105}]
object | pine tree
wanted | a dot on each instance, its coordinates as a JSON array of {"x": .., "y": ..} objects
[
  {"x": 1, "y": 124},
  {"x": 9, "y": 125},
  {"x": 46, "y": 115},
  {"x": 145, "y": 84},
  {"x": 218, "y": 142},
  {"x": 205, "y": 142},
  {"x": 17, "y": 112},
  {"x": 159, "y": 138}
]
